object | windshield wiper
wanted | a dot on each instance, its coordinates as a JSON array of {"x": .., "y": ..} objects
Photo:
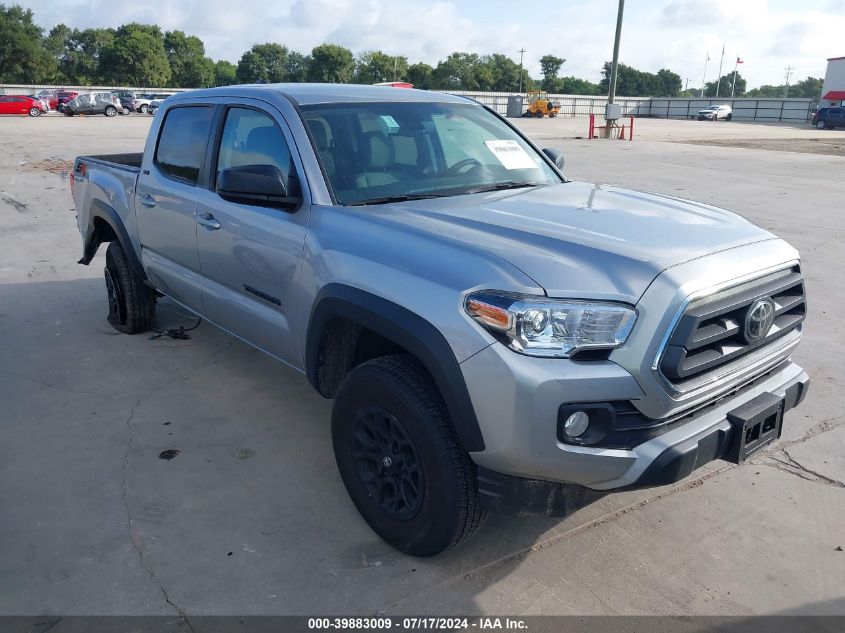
[
  {"x": 500, "y": 186},
  {"x": 402, "y": 197}
]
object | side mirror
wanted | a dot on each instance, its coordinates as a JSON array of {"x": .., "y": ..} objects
[
  {"x": 556, "y": 155},
  {"x": 261, "y": 185}
]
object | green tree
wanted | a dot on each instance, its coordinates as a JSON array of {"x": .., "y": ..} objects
[
  {"x": 668, "y": 83},
  {"x": 577, "y": 86},
  {"x": 631, "y": 82},
  {"x": 136, "y": 57},
  {"x": 297, "y": 66},
  {"x": 376, "y": 67},
  {"x": 725, "y": 83},
  {"x": 225, "y": 73},
  {"x": 189, "y": 67},
  {"x": 420, "y": 74},
  {"x": 264, "y": 62},
  {"x": 463, "y": 71},
  {"x": 505, "y": 73},
  {"x": 23, "y": 55},
  {"x": 331, "y": 63},
  {"x": 766, "y": 92},
  {"x": 809, "y": 88},
  {"x": 550, "y": 67},
  {"x": 81, "y": 63}
]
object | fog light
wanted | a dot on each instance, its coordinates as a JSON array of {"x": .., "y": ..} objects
[{"x": 576, "y": 424}]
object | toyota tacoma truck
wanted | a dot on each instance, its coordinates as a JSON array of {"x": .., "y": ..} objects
[{"x": 495, "y": 337}]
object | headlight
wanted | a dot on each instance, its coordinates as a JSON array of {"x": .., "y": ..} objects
[{"x": 538, "y": 326}]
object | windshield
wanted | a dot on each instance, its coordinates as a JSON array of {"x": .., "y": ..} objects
[{"x": 381, "y": 151}]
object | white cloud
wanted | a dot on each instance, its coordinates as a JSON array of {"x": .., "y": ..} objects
[{"x": 675, "y": 34}]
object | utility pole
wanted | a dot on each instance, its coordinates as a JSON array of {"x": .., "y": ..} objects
[
  {"x": 521, "y": 52},
  {"x": 704, "y": 77},
  {"x": 686, "y": 87},
  {"x": 789, "y": 70},
  {"x": 719, "y": 76}
]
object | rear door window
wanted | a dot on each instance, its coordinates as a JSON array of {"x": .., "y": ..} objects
[{"x": 182, "y": 142}]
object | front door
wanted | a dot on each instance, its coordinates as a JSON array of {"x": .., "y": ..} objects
[
  {"x": 250, "y": 255},
  {"x": 166, "y": 203}
]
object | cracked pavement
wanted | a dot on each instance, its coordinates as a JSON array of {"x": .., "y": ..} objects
[{"x": 250, "y": 517}]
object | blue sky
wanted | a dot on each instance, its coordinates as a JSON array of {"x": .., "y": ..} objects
[{"x": 677, "y": 34}]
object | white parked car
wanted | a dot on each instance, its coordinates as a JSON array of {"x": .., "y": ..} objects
[{"x": 715, "y": 112}]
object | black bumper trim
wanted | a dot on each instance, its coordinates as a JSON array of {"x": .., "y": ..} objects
[{"x": 679, "y": 461}]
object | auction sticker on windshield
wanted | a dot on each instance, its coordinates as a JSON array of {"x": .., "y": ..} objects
[{"x": 511, "y": 154}]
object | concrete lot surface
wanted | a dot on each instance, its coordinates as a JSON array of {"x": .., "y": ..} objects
[{"x": 251, "y": 517}]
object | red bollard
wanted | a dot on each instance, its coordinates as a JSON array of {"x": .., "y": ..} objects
[
  {"x": 631, "y": 130},
  {"x": 592, "y": 125}
]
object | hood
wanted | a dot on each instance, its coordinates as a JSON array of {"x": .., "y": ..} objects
[{"x": 579, "y": 239}]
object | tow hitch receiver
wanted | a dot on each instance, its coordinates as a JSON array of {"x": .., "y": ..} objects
[{"x": 756, "y": 424}]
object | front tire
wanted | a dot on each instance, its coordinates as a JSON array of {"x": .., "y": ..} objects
[
  {"x": 821, "y": 125},
  {"x": 729, "y": 117},
  {"x": 110, "y": 111},
  {"x": 131, "y": 303},
  {"x": 144, "y": 108},
  {"x": 401, "y": 460}
]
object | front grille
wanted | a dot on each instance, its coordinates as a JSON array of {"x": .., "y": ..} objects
[{"x": 711, "y": 332}]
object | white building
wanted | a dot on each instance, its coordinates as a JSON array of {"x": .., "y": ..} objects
[{"x": 833, "y": 90}]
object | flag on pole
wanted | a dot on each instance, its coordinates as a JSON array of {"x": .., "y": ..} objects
[{"x": 739, "y": 60}]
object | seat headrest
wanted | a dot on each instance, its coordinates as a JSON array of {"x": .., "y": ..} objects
[{"x": 379, "y": 150}]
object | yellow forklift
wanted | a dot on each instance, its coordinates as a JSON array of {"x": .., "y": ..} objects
[{"x": 539, "y": 105}]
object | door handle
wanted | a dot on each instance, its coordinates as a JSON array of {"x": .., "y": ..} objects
[
  {"x": 147, "y": 200},
  {"x": 208, "y": 221}
]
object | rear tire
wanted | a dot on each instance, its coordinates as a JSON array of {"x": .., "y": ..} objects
[
  {"x": 729, "y": 117},
  {"x": 110, "y": 111},
  {"x": 401, "y": 460},
  {"x": 539, "y": 114},
  {"x": 144, "y": 108},
  {"x": 131, "y": 303},
  {"x": 34, "y": 112}
]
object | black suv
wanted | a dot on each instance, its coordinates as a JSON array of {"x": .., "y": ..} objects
[{"x": 829, "y": 118}]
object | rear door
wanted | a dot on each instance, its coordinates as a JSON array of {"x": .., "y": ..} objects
[
  {"x": 251, "y": 255},
  {"x": 8, "y": 106},
  {"x": 165, "y": 202}
]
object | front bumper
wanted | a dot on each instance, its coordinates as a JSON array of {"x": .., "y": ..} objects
[{"x": 517, "y": 399}]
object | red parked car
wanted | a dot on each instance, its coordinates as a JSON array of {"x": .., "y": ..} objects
[{"x": 20, "y": 104}]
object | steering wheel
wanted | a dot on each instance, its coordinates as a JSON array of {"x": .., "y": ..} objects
[{"x": 462, "y": 165}]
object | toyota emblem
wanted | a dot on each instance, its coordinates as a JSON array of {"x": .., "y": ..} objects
[{"x": 759, "y": 319}]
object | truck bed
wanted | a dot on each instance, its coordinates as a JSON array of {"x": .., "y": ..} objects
[{"x": 130, "y": 162}]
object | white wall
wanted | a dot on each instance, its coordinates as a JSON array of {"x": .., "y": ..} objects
[{"x": 834, "y": 79}]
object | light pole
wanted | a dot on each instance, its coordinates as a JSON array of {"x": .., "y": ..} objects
[
  {"x": 521, "y": 52},
  {"x": 704, "y": 76},
  {"x": 719, "y": 76},
  {"x": 614, "y": 68}
]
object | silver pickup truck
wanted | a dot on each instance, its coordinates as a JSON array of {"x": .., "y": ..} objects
[{"x": 494, "y": 336}]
